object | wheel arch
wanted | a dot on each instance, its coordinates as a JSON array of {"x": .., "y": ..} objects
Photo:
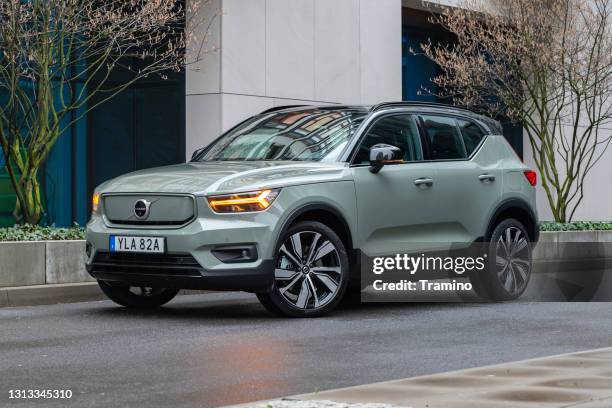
[
  {"x": 519, "y": 210},
  {"x": 324, "y": 213}
]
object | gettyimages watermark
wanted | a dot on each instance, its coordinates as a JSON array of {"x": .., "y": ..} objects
[
  {"x": 420, "y": 264},
  {"x": 461, "y": 273}
]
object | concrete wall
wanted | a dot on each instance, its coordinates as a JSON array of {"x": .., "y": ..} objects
[
  {"x": 42, "y": 262},
  {"x": 280, "y": 52}
]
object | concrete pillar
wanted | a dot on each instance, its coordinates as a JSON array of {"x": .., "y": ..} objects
[{"x": 287, "y": 52}]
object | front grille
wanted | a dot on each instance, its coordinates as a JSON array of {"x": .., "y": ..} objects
[
  {"x": 164, "y": 210},
  {"x": 146, "y": 264}
]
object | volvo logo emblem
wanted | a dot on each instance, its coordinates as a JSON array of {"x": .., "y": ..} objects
[{"x": 141, "y": 209}]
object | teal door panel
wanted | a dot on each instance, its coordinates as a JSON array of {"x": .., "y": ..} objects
[
  {"x": 7, "y": 198},
  {"x": 158, "y": 135},
  {"x": 111, "y": 138},
  {"x": 141, "y": 128},
  {"x": 417, "y": 70}
]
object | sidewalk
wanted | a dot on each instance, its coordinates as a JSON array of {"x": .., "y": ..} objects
[{"x": 580, "y": 380}]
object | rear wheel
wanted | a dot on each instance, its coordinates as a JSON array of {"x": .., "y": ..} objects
[
  {"x": 136, "y": 296},
  {"x": 510, "y": 263},
  {"x": 311, "y": 272}
]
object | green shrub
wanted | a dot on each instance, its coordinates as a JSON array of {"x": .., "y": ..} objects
[
  {"x": 576, "y": 226},
  {"x": 37, "y": 233}
]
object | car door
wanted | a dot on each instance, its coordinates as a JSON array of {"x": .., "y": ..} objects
[
  {"x": 396, "y": 206},
  {"x": 468, "y": 181}
]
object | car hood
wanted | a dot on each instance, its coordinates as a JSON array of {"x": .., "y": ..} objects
[{"x": 224, "y": 177}]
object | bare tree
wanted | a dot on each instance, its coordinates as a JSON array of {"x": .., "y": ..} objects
[
  {"x": 545, "y": 64},
  {"x": 56, "y": 61}
]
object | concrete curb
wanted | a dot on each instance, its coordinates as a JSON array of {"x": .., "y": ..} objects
[
  {"x": 58, "y": 293},
  {"x": 582, "y": 379},
  {"x": 50, "y": 294}
]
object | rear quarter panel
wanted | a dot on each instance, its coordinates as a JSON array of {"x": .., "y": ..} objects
[{"x": 514, "y": 183}]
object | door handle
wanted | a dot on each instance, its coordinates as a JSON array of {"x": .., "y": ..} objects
[
  {"x": 486, "y": 177},
  {"x": 424, "y": 182}
]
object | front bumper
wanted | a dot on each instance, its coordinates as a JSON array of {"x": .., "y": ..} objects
[
  {"x": 192, "y": 259},
  {"x": 185, "y": 274}
]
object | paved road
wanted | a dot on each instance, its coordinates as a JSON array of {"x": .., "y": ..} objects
[{"x": 219, "y": 349}]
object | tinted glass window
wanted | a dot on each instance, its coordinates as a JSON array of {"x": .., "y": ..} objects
[
  {"x": 444, "y": 138},
  {"x": 472, "y": 135},
  {"x": 397, "y": 130},
  {"x": 304, "y": 135}
]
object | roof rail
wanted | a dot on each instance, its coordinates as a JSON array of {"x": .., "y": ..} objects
[
  {"x": 416, "y": 104},
  {"x": 318, "y": 107},
  {"x": 494, "y": 126},
  {"x": 279, "y": 108}
]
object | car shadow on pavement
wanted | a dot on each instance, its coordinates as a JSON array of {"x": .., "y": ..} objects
[
  {"x": 197, "y": 307},
  {"x": 352, "y": 303},
  {"x": 245, "y": 307}
]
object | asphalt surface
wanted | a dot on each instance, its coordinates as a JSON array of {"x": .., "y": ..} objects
[{"x": 220, "y": 349}]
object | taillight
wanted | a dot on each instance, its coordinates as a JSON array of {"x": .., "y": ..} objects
[{"x": 532, "y": 177}]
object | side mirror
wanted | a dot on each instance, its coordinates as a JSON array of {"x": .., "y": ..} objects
[
  {"x": 196, "y": 153},
  {"x": 384, "y": 154}
]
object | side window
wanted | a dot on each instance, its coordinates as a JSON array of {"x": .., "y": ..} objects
[
  {"x": 444, "y": 138},
  {"x": 396, "y": 130},
  {"x": 472, "y": 135}
]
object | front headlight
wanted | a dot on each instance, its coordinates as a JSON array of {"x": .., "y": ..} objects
[
  {"x": 95, "y": 203},
  {"x": 243, "y": 202}
]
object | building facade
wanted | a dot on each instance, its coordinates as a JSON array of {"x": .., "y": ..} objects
[{"x": 270, "y": 53}]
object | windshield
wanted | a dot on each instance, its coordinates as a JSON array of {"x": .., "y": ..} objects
[{"x": 316, "y": 134}]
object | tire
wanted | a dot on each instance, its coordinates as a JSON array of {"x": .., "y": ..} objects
[
  {"x": 311, "y": 272},
  {"x": 502, "y": 281},
  {"x": 137, "y": 297}
]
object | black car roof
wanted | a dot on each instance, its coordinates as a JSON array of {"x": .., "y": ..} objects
[{"x": 493, "y": 126}]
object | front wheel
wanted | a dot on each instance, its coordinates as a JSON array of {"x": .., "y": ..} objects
[
  {"x": 137, "y": 297},
  {"x": 510, "y": 263},
  {"x": 311, "y": 272}
]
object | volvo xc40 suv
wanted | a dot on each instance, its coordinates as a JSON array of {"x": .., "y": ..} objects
[{"x": 286, "y": 203}]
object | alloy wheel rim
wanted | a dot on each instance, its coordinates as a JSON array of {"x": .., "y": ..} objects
[
  {"x": 513, "y": 260},
  {"x": 308, "y": 271}
]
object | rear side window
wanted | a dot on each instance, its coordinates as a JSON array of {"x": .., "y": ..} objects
[
  {"x": 444, "y": 138},
  {"x": 396, "y": 130},
  {"x": 472, "y": 135}
]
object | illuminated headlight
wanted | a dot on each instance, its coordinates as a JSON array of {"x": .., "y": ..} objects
[
  {"x": 243, "y": 202},
  {"x": 95, "y": 202}
]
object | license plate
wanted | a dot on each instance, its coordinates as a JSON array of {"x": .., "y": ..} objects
[{"x": 152, "y": 245}]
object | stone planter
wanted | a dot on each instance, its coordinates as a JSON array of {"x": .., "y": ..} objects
[
  {"x": 22, "y": 263},
  {"x": 42, "y": 262},
  {"x": 573, "y": 266},
  {"x": 573, "y": 251}
]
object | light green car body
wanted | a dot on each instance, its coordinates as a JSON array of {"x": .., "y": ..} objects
[{"x": 379, "y": 214}]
